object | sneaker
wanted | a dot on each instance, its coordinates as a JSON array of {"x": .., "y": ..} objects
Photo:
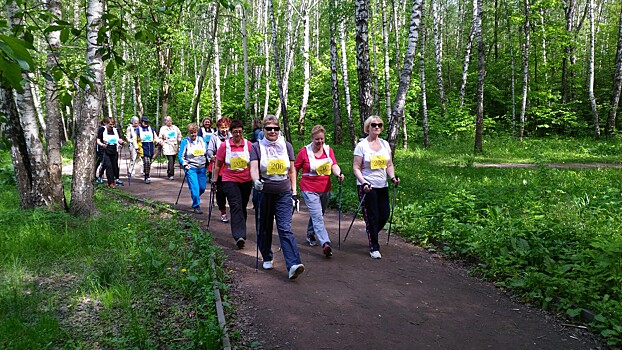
[
  {"x": 224, "y": 218},
  {"x": 311, "y": 240},
  {"x": 295, "y": 271},
  {"x": 197, "y": 210},
  {"x": 267, "y": 264},
  {"x": 100, "y": 180},
  {"x": 240, "y": 242},
  {"x": 328, "y": 251},
  {"x": 112, "y": 186},
  {"x": 375, "y": 254},
  {"x": 119, "y": 182},
  {"x": 148, "y": 180},
  {"x": 170, "y": 178}
]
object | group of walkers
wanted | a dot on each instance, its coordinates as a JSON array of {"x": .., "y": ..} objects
[{"x": 267, "y": 167}]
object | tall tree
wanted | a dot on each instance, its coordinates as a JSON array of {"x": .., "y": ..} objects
[
  {"x": 590, "y": 84},
  {"x": 438, "y": 53},
  {"x": 424, "y": 98},
  {"x": 82, "y": 185},
  {"x": 526, "y": 50},
  {"x": 361, "y": 15},
  {"x": 467, "y": 55},
  {"x": 206, "y": 64},
  {"x": 397, "y": 113},
  {"x": 334, "y": 79},
  {"x": 481, "y": 75},
  {"x": 277, "y": 71},
  {"x": 346, "y": 84},
  {"x": 617, "y": 83},
  {"x": 53, "y": 117}
]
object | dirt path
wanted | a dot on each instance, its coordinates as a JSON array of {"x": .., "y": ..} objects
[{"x": 410, "y": 299}]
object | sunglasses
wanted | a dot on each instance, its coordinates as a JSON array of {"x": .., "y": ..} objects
[
  {"x": 272, "y": 128},
  {"x": 376, "y": 125}
]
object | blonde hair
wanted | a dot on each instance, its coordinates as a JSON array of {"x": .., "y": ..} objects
[
  {"x": 317, "y": 129},
  {"x": 192, "y": 128},
  {"x": 368, "y": 121}
]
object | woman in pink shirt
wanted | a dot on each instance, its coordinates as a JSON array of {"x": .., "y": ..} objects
[
  {"x": 233, "y": 164},
  {"x": 317, "y": 162}
]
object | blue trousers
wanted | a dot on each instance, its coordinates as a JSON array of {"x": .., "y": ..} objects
[
  {"x": 277, "y": 206},
  {"x": 317, "y": 202},
  {"x": 197, "y": 181}
]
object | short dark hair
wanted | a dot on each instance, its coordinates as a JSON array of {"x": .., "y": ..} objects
[{"x": 236, "y": 124}]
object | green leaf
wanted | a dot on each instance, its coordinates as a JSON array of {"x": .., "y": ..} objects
[
  {"x": 20, "y": 52},
  {"x": 12, "y": 73},
  {"x": 64, "y": 35}
]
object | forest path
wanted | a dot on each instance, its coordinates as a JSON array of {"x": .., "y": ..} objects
[{"x": 409, "y": 299}]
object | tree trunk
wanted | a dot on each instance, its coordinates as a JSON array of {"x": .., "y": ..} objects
[
  {"x": 467, "y": 55},
  {"x": 526, "y": 50},
  {"x": 82, "y": 186},
  {"x": 337, "y": 127},
  {"x": 346, "y": 84},
  {"x": 362, "y": 62},
  {"x": 424, "y": 99},
  {"x": 277, "y": 72},
  {"x": 438, "y": 55},
  {"x": 617, "y": 83},
  {"x": 387, "y": 67},
  {"x": 19, "y": 151},
  {"x": 307, "y": 70},
  {"x": 512, "y": 68},
  {"x": 400, "y": 97},
  {"x": 138, "y": 98},
  {"x": 591, "y": 71},
  {"x": 481, "y": 75},
  {"x": 247, "y": 107},
  {"x": 41, "y": 189},
  {"x": 216, "y": 70},
  {"x": 54, "y": 122}
]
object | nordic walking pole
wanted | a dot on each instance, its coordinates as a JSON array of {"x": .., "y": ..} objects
[
  {"x": 257, "y": 228},
  {"x": 211, "y": 203},
  {"x": 392, "y": 208},
  {"x": 355, "y": 215},
  {"x": 339, "y": 215},
  {"x": 127, "y": 166},
  {"x": 180, "y": 188}
]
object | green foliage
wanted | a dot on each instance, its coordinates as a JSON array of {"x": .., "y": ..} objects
[{"x": 69, "y": 283}]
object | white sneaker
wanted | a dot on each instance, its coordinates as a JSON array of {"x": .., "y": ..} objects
[
  {"x": 375, "y": 254},
  {"x": 148, "y": 180},
  {"x": 224, "y": 218},
  {"x": 267, "y": 265},
  {"x": 295, "y": 271},
  {"x": 171, "y": 178}
]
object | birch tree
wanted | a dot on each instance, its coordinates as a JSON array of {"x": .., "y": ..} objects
[
  {"x": 397, "y": 113},
  {"x": 83, "y": 159},
  {"x": 424, "y": 99},
  {"x": 467, "y": 55},
  {"x": 277, "y": 71},
  {"x": 346, "y": 84},
  {"x": 590, "y": 84},
  {"x": 481, "y": 75},
  {"x": 438, "y": 53},
  {"x": 334, "y": 79},
  {"x": 361, "y": 15},
  {"x": 526, "y": 49},
  {"x": 617, "y": 83}
]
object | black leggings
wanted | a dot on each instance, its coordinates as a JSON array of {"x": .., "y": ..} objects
[
  {"x": 111, "y": 163},
  {"x": 376, "y": 213}
]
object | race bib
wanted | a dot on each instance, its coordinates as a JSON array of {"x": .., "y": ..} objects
[
  {"x": 171, "y": 135},
  {"x": 378, "y": 162},
  {"x": 237, "y": 164},
  {"x": 112, "y": 141},
  {"x": 197, "y": 152},
  {"x": 324, "y": 169},
  {"x": 277, "y": 167},
  {"x": 146, "y": 137}
]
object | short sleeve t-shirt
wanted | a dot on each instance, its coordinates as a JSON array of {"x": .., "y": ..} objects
[
  {"x": 316, "y": 182},
  {"x": 238, "y": 168},
  {"x": 271, "y": 186},
  {"x": 374, "y": 167}
]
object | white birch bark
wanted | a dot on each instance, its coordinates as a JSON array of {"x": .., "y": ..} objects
[
  {"x": 387, "y": 67},
  {"x": 424, "y": 99},
  {"x": 591, "y": 71},
  {"x": 216, "y": 70},
  {"x": 467, "y": 55},
  {"x": 438, "y": 54},
  {"x": 481, "y": 75},
  {"x": 82, "y": 186},
  {"x": 307, "y": 70},
  {"x": 365, "y": 99},
  {"x": 337, "y": 127},
  {"x": 526, "y": 50},
  {"x": 277, "y": 72},
  {"x": 617, "y": 83},
  {"x": 346, "y": 83},
  {"x": 245, "y": 57},
  {"x": 397, "y": 113}
]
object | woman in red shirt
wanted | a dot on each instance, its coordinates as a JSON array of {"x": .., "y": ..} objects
[
  {"x": 317, "y": 162},
  {"x": 233, "y": 164}
]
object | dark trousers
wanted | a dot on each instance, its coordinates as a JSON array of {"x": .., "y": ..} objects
[
  {"x": 111, "y": 163},
  {"x": 170, "y": 168},
  {"x": 147, "y": 166},
  {"x": 221, "y": 199},
  {"x": 238, "y": 194},
  {"x": 376, "y": 213}
]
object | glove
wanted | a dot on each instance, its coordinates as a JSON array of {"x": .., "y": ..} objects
[
  {"x": 395, "y": 180},
  {"x": 258, "y": 185},
  {"x": 295, "y": 203},
  {"x": 213, "y": 186}
]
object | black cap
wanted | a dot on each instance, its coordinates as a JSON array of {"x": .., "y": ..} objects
[{"x": 145, "y": 119}]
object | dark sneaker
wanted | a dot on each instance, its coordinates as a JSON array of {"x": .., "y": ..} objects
[
  {"x": 311, "y": 240},
  {"x": 295, "y": 271},
  {"x": 197, "y": 210},
  {"x": 240, "y": 242},
  {"x": 328, "y": 251},
  {"x": 100, "y": 180}
]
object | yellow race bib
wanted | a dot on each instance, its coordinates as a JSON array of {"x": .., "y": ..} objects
[
  {"x": 277, "y": 167},
  {"x": 324, "y": 169},
  {"x": 237, "y": 164},
  {"x": 197, "y": 152},
  {"x": 378, "y": 162}
]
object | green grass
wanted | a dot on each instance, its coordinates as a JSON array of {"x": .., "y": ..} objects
[
  {"x": 551, "y": 236},
  {"x": 128, "y": 278}
]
